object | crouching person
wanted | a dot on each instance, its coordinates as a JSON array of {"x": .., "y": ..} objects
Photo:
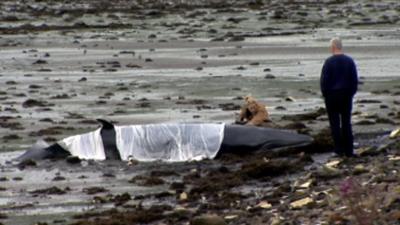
[{"x": 253, "y": 112}]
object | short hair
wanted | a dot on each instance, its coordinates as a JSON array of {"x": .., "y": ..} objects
[{"x": 337, "y": 42}]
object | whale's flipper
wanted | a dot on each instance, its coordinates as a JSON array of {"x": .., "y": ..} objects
[
  {"x": 109, "y": 142},
  {"x": 42, "y": 150}
]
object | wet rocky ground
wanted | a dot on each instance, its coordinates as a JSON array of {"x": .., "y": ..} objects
[{"x": 62, "y": 65}]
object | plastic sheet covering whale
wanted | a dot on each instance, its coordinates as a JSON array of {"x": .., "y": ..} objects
[
  {"x": 166, "y": 142},
  {"x": 169, "y": 142},
  {"x": 85, "y": 146}
]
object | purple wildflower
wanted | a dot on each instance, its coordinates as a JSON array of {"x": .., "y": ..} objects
[{"x": 346, "y": 187}]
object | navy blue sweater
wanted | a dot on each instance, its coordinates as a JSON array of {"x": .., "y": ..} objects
[{"x": 339, "y": 75}]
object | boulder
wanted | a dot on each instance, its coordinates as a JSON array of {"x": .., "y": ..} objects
[{"x": 208, "y": 220}]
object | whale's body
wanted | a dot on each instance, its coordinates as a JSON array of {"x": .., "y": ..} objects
[{"x": 167, "y": 142}]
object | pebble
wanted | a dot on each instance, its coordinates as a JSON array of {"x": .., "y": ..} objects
[{"x": 208, "y": 220}]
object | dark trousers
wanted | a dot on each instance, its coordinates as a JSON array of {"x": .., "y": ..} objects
[{"x": 338, "y": 107}]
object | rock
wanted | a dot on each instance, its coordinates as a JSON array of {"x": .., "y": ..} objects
[
  {"x": 231, "y": 217},
  {"x": 44, "y": 70},
  {"x": 208, "y": 220},
  {"x": 395, "y": 133},
  {"x": 94, "y": 190},
  {"x": 307, "y": 184},
  {"x": 132, "y": 65},
  {"x": 277, "y": 220},
  {"x": 121, "y": 199},
  {"x": 269, "y": 76},
  {"x": 301, "y": 203},
  {"x": 217, "y": 39},
  {"x": 395, "y": 216},
  {"x": 110, "y": 70},
  {"x": 394, "y": 158},
  {"x": 183, "y": 196},
  {"x": 147, "y": 181},
  {"x": 296, "y": 126},
  {"x": 177, "y": 186},
  {"x": 333, "y": 163},
  {"x": 11, "y": 137},
  {"x": 264, "y": 205},
  {"x": 182, "y": 213},
  {"x": 27, "y": 163},
  {"x": 367, "y": 151},
  {"x": 40, "y": 61},
  {"x": 132, "y": 161},
  {"x": 73, "y": 160},
  {"x": 34, "y": 86},
  {"x": 290, "y": 99},
  {"x": 359, "y": 169},
  {"x": 368, "y": 101},
  {"x": 261, "y": 168},
  {"x": 17, "y": 178},
  {"x": 365, "y": 122},
  {"x": 306, "y": 116},
  {"x": 152, "y": 36},
  {"x": 254, "y": 64},
  {"x": 229, "y": 106},
  {"x": 49, "y": 191},
  {"x": 3, "y": 216},
  {"x": 34, "y": 103},
  {"x": 11, "y": 82},
  {"x": 163, "y": 173},
  {"x": 236, "y": 38},
  {"x": 327, "y": 172},
  {"x": 59, "y": 178},
  {"x": 236, "y": 20},
  {"x": 384, "y": 121},
  {"x": 383, "y": 106}
]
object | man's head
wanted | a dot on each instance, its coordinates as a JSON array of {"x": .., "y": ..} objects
[
  {"x": 248, "y": 99},
  {"x": 336, "y": 45}
]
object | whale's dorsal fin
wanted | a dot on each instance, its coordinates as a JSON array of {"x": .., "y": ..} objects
[{"x": 105, "y": 124}]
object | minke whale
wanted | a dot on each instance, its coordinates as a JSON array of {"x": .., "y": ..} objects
[{"x": 166, "y": 142}]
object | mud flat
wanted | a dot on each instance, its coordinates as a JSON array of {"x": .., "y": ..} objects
[{"x": 62, "y": 65}]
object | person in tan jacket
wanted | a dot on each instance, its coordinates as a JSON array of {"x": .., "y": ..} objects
[{"x": 253, "y": 112}]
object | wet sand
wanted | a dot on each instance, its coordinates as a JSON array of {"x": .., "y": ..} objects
[{"x": 137, "y": 67}]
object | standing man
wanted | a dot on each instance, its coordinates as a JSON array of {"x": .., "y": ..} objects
[{"x": 338, "y": 86}]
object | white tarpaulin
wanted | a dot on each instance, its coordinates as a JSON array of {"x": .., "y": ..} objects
[
  {"x": 166, "y": 142},
  {"x": 169, "y": 142},
  {"x": 85, "y": 146}
]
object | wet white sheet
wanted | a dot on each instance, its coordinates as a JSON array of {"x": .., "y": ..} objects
[
  {"x": 167, "y": 142},
  {"x": 85, "y": 146}
]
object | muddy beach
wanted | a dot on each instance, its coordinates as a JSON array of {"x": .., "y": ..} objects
[{"x": 63, "y": 65}]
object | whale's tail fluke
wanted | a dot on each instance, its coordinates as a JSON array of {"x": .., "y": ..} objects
[
  {"x": 108, "y": 137},
  {"x": 105, "y": 124}
]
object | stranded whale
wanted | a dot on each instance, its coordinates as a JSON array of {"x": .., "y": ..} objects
[{"x": 166, "y": 142}]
